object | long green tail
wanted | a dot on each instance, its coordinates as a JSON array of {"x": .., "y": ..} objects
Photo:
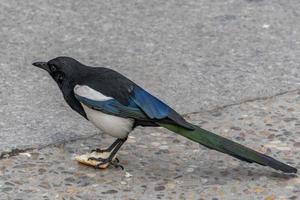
[{"x": 224, "y": 145}]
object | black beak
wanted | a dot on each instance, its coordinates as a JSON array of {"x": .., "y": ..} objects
[{"x": 42, "y": 65}]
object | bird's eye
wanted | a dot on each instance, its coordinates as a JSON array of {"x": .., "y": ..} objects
[
  {"x": 52, "y": 68},
  {"x": 60, "y": 77}
]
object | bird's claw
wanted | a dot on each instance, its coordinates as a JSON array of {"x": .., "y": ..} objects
[
  {"x": 99, "y": 150},
  {"x": 104, "y": 161},
  {"x": 116, "y": 164}
]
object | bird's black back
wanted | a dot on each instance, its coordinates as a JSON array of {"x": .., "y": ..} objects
[
  {"x": 113, "y": 84},
  {"x": 109, "y": 82}
]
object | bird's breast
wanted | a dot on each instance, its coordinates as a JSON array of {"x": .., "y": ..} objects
[{"x": 115, "y": 126}]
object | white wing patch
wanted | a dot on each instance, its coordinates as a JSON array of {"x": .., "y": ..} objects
[{"x": 90, "y": 93}]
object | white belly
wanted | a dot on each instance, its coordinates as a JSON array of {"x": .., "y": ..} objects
[{"x": 115, "y": 126}]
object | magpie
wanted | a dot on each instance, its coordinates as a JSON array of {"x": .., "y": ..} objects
[{"x": 116, "y": 105}]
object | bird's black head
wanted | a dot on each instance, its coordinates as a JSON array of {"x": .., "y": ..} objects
[
  {"x": 63, "y": 70},
  {"x": 67, "y": 72}
]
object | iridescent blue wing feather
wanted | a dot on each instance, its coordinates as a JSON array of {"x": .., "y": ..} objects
[
  {"x": 156, "y": 109},
  {"x": 153, "y": 107}
]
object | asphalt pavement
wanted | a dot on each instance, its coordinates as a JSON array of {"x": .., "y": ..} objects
[{"x": 197, "y": 56}]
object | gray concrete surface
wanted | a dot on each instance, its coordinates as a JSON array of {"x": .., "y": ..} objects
[
  {"x": 194, "y": 55},
  {"x": 161, "y": 165}
]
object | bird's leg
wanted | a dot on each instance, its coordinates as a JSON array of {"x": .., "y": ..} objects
[
  {"x": 111, "y": 147},
  {"x": 111, "y": 156}
]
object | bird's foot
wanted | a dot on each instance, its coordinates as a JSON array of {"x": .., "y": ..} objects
[
  {"x": 106, "y": 161},
  {"x": 116, "y": 164},
  {"x": 102, "y": 158},
  {"x": 99, "y": 150},
  {"x": 95, "y": 158}
]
